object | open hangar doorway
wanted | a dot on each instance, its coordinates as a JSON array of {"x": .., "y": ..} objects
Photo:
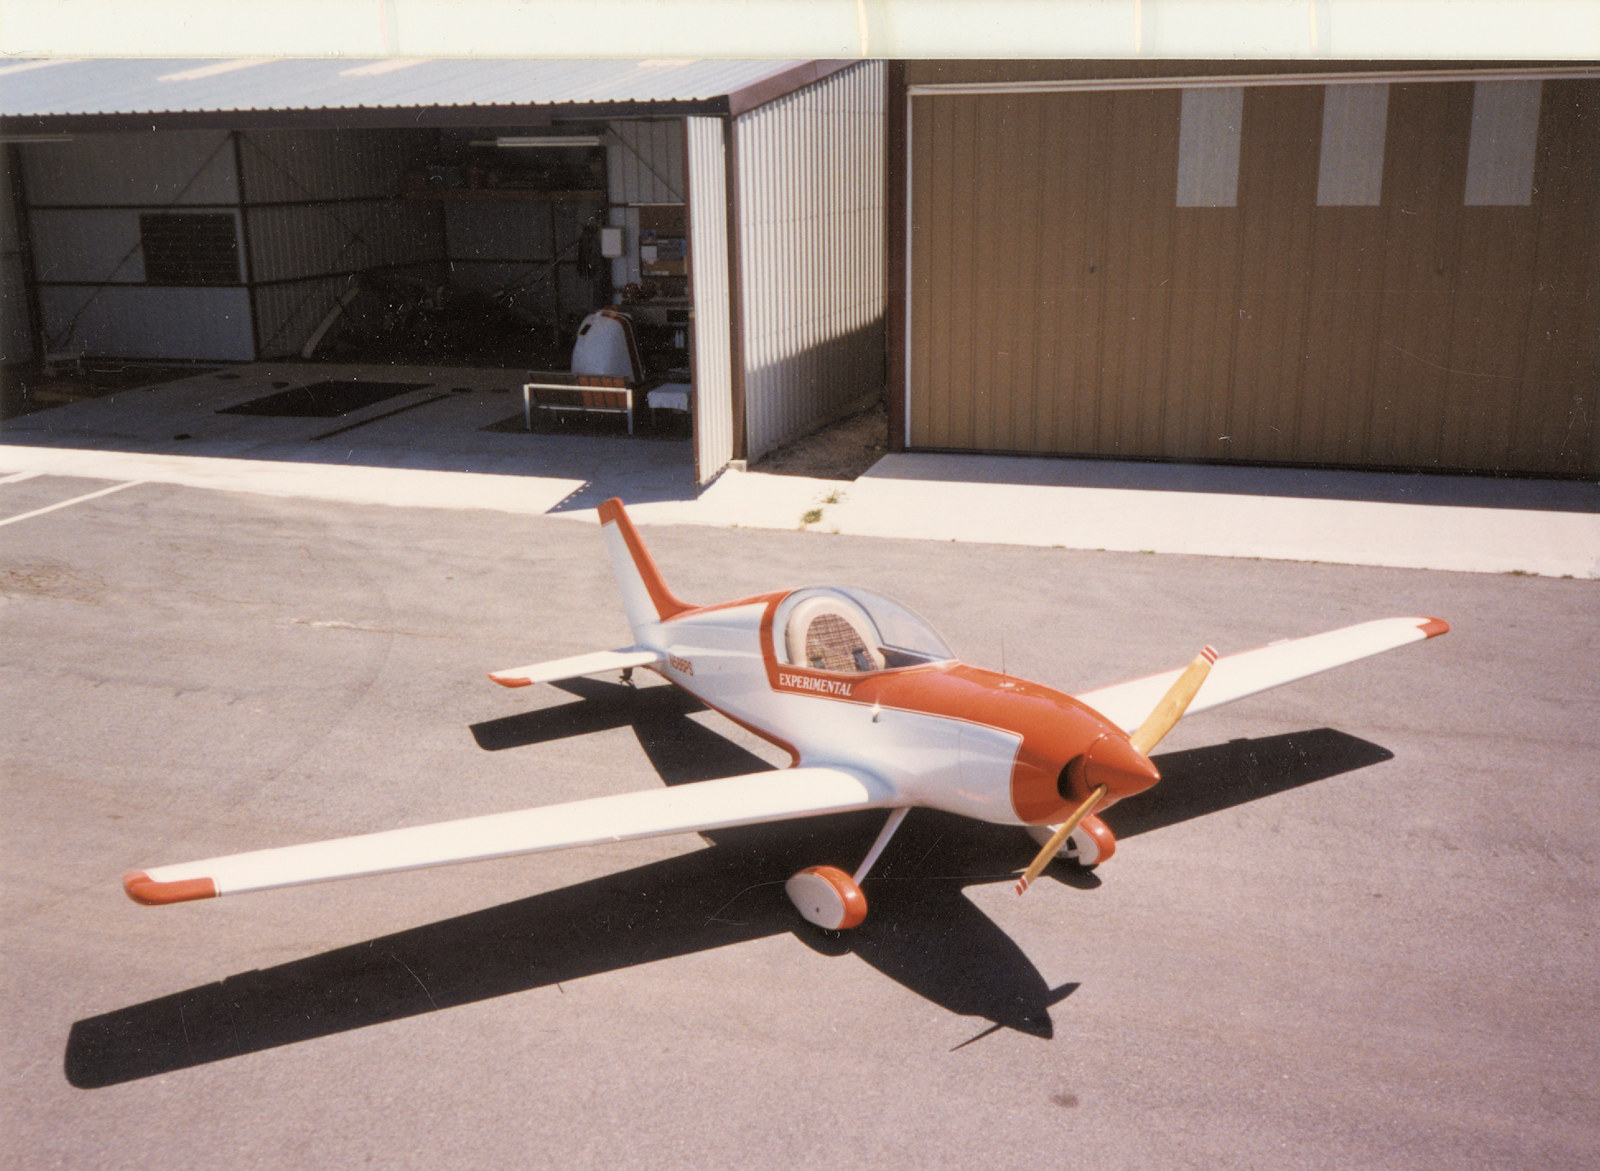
[
  {"x": 483, "y": 247},
  {"x": 740, "y": 211}
]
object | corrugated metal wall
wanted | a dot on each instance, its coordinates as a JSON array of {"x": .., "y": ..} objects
[
  {"x": 1360, "y": 292},
  {"x": 811, "y": 205},
  {"x": 16, "y": 327},
  {"x": 526, "y": 254},
  {"x": 321, "y": 206},
  {"x": 84, "y": 199},
  {"x": 135, "y": 321},
  {"x": 159, "y": 169},
  {"x": 294, "y": 166},
  {"x": 708, "y": 267},
  {"x": 644, "y": 164}
]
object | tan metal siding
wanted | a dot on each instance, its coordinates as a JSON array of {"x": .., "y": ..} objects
[
  {"x": 1059, "y": 299},
  {"x": 708, "y": 269},
  {"x": 1556, "y": 403},
  {"x": 811, "y": 205}
]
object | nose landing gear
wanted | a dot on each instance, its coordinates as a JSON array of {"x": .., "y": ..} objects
[{"x": 1087, "y": 846}]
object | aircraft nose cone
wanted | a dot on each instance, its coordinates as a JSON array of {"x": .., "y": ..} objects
[{"x": 1119, "y": 766}]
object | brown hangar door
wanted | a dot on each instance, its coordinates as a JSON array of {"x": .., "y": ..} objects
[{"x": 1372, "y": 274}]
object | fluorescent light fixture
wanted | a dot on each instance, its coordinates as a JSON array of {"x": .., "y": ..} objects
[
  {"x": 536, "y": 140},
  {"x": 23, "y": 139}
]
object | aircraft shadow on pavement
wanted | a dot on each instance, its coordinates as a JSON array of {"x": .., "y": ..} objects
[{"x": 922, "y": 933}]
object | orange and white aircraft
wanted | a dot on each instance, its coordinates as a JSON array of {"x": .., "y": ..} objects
[{"x": 874, "y": 709}]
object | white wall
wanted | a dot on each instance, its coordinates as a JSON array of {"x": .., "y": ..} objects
[
  {"x": 84, "y": 198},
  {"x": 811, "y": 247},
  {"x": 136, "y": 321}
]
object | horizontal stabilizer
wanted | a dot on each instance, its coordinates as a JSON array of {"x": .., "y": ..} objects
[
  {"x": 704, "y": 805},
  {"x": 596, "y": 663},
  {"x": 1236, "y": 676}
]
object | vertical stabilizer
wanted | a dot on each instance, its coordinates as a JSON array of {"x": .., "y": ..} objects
[{"x": 645, "y": 596}]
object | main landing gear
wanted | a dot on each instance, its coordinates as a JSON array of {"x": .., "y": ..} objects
[{"x": 828, "y": 897}]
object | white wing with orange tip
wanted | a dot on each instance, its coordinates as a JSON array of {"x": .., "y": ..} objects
[
  {"x": 1236, "y": 676},
  {"x": 595, "y": 663},
  {"x": 704, "y": 805}
]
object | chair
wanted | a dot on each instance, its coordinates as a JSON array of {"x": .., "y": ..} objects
[{"x": 606, "y": 372}]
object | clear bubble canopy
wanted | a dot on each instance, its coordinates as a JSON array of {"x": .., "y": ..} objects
[{"x": 894, "y": 635}]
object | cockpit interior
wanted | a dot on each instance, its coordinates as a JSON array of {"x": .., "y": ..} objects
[{"x": 852, "y": 631}]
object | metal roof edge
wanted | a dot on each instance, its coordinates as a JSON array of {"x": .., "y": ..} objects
[
  {"x": 779, "y": 85},
  {"x": 365, "y": 117}
]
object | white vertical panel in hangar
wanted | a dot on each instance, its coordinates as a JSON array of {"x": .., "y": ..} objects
[
  {"x": 810, "y": 204},
  {"x": 708, "y": 252}
]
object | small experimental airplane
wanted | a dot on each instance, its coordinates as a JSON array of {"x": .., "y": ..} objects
[{"x": 876, "y": 712}]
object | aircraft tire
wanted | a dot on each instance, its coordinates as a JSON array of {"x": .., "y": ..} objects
[{"x": 828, "y": 897}]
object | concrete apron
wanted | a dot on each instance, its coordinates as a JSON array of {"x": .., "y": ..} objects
[{"x": 979, "y": 499}]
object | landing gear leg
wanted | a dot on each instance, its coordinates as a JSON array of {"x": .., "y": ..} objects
[{"x": 828, "y": 897}]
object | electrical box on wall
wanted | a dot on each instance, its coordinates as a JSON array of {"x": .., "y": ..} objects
[{"x": 611, "y": 242}]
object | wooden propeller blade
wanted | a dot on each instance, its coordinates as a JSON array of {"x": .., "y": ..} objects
[
  {"x": 1054, "y": 844},
  {"x": 1174, "y": 703}
]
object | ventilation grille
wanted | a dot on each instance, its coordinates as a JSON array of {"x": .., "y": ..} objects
[{"x": 190, "y": 249}]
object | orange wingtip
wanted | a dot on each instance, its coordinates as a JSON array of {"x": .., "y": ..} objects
[
  {"x": 143, "y": 889},
  {"x": 511, "y": 681},
  {"x": 1434, "y": 627}
]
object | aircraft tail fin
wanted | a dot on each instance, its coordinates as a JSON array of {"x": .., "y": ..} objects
[{"x": 645, "y": 595}]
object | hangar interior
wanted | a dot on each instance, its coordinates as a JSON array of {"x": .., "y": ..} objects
[
  {"x": 215, "y": 245},
  {"x": 748, "y": 262}
]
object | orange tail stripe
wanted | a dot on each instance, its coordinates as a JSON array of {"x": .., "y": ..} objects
[
  {"x": 143, "y": 889},
  {"x": 667, "y": 604}
]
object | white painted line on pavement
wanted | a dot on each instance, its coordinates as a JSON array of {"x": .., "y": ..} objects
[
  {"x": 11, "y": 520},
  {"x": 15, "y": 477}
]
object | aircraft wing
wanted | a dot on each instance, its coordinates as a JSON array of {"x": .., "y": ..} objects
[
  {"x": 704, "y": 805},
  {"x": 596, "y": 663},
  {"x": 1236, "y": 676}
]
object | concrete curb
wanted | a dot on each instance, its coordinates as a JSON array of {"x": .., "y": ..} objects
[{"x": 914, "y": 497}]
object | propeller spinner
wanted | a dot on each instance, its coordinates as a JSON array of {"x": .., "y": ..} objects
[{"x": 1111, "y": 763}]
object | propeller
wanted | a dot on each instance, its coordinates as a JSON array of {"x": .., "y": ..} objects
[
  {"x": 1054, "y": 844},
  {"x": 1107, "y": 757}
]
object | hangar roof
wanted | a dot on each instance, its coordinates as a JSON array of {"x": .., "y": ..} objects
[{"x": 57, "y": 94}]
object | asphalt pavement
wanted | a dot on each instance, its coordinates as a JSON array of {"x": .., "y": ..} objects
[{"x": 1354, "y": 926}]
